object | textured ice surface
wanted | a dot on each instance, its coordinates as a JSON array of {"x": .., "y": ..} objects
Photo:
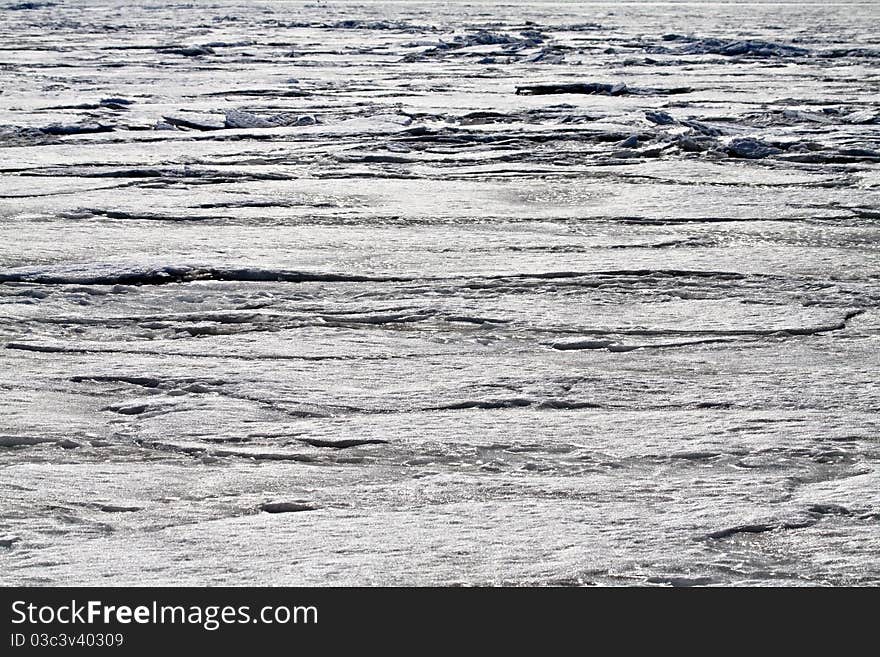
[{"x": 308, "y": 293}]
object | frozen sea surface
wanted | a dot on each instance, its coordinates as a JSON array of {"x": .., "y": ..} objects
[{"x": 439, "y": 293}]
